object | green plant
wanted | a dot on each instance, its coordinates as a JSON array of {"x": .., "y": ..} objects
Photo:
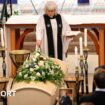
[{"x": 39, "y": 68}]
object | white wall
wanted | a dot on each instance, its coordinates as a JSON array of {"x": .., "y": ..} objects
[
  {"x": 70, "y": 6},
  {"x": 92, "y": 62}
]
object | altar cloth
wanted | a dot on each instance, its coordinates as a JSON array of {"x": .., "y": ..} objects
[{"x": 71, "y": 19}]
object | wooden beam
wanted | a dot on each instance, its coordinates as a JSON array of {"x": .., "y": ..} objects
[
  {"x": 13, "y": 47},
  {"x": 102, "y": 46}
]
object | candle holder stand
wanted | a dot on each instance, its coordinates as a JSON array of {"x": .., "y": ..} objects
[
  {"x": 18, "y": 57},
  {"x": 85, "y": 50},
  {"x": 77, "y": 83},
  {"x": 82, "y": 72},
  {"x": 2, "y": 54}
]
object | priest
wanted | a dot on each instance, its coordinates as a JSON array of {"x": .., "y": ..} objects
[{"x": 52, "y": 32}]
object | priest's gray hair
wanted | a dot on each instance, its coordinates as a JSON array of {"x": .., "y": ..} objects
[{"x": 50, "y": 5}]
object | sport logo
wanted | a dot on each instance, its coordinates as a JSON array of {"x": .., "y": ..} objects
[{"x": 7, "y": 93}]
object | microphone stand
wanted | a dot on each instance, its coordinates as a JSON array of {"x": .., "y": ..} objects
[
  {"x": 4, "y": 10},
  {"x": 34, "y": 7},
  {"x": 62, "y": 6},
  {"x": 11, "y": 6}
]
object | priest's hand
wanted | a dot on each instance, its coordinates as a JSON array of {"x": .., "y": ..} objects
[{"x": 38, "y": 43}]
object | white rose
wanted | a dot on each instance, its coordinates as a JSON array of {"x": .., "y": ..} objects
[
  {"x": 26, "y": 75},
  {"x": 31, "y": 69},
  {"x": 36, "y": 55},
  {"x": 20, "y": 74},
  {"x": 36, "y": 66},
  {"x": 43, "y": 73},
  {"x": 38, "y": 74},
  {"x": 41, "y": 63},
  {"x": 47, "y": 66},
  {"x": 52, "y": 72},
  {"x": 32, "y": 78},
  {"x": 26, "y": 65},
  {"x": 33, "y": 59},
  {"x": 53, "y": 67}
]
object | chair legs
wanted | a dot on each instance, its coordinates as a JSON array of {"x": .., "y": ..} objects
[{"x": 4, "y": 100}]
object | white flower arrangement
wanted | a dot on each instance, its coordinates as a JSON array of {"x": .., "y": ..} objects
[{"x": 38, "y": 67}]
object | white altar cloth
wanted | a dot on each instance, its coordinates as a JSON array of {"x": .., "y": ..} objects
[{"x": 71, "y": 19}]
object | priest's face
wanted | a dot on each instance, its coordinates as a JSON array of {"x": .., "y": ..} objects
[{"x": 50, "y": 13}]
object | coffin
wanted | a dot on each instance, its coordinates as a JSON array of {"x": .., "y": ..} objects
[{"x": 34, "y": 93}]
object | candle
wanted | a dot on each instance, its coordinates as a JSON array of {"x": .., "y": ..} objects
[
  {"x": 85, "y": 37},
  {"x": 76, "y": 56},
  {"x": 81, "y": 47},
  {"x": 2, "y": 38}
]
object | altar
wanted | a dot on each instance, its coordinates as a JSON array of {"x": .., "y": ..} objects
[{"x": 14, "y": 39}]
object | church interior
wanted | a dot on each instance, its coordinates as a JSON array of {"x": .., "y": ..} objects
[{"x": 20, "y": 59}]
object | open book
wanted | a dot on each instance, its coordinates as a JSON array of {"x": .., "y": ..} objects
[{"x": 73, "y": 33}]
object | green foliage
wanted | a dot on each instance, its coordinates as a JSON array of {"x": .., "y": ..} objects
[
  {"x": 39, "y": 68},
  {"x": 16, "y": 12}
]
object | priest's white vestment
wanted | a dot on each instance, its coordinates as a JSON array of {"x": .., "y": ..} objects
[{"x": 41, "y": 35}]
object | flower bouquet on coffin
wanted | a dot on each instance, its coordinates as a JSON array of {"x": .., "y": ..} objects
[{"x": 39, "y": 67}]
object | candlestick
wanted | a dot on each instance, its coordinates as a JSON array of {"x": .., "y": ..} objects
[
  {"x": 76, "y": 56},
  {"x": 2, "y": 38},
  {"x": 82, "y": 73},
  {"x": 77, "y": 83},
  {"x": 85, "y": 37},
  {"x": 81, "y": 47},
  {"x": 86, "y": 68},
  {"x": 2, "y": 52}
]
